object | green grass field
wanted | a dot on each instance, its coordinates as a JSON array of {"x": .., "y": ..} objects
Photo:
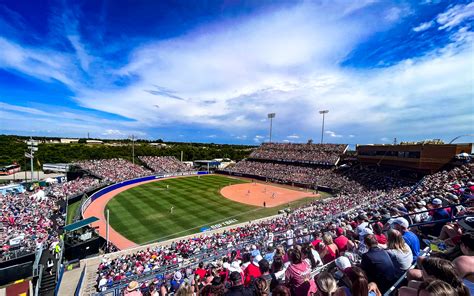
[
  {"x": 142, "y": 214},
  {"x": 71, "y": 211}
]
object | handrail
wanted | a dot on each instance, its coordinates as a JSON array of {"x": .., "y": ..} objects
[
  {"x": 36, "y": 264},
  {"x": 169, "y": 268},
  {"x": 38, "y": 281}
]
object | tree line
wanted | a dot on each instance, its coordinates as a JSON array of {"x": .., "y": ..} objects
[{"x": 13, "y": 148}]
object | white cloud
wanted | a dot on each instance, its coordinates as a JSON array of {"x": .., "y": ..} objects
[
  {"x": 293, "y": 136},
  {"x": 333, "y": 134},
  {"x": 455, "y": 15},
  {"x": 423, "y": 27},
  {"x": 351, "y": 136},
  {"x": 82, "y": 55},
  {"x": 258, "y": 138},
  {"x": 285, "y": 62},
  {"x": 212, "y": 136},
  {"x": 44, "y": 64},
  {"x": 113, "y": 132}
]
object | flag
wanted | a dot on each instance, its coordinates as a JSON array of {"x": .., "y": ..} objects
[{"x": 38, "y": 162}]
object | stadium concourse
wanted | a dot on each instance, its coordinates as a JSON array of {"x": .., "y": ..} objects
[{"x": 363, "y": 240}]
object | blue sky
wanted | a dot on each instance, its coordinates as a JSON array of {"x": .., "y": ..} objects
[{"x": 210, "y": 71}]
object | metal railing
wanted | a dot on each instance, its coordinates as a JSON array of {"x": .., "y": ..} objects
[
  {"x": 38, "y": 281},
  {"x": 36, "y": 264}
]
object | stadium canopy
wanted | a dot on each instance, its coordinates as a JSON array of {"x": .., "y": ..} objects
[{"x": 79, "y": 224}]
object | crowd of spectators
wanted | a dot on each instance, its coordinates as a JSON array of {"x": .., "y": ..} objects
[
  {"x": 164, "y": 164},
  {"x": 113, "y": 170},
  {"x": 28, "y": 221},
  {"x": 369, "y": 237},
  {"x": 73, "y": 187},
  {"x": 357, "y": 180},
  {"x": 323, "y": 154},
  {"x": 33, "y": 219}
]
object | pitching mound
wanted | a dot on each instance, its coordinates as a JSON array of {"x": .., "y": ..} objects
[{"x": 256, "y": 194}]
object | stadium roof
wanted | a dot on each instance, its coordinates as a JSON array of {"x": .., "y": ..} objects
[{"x": 80, "y": 224}]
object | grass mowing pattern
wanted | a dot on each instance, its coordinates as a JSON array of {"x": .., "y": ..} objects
[{"x": 142, "y": 214}]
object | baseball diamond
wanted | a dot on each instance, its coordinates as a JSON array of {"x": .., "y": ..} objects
[{"x": 142, "y": 213}]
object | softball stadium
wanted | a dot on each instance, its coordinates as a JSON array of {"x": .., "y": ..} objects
[{"x": 160, "y": 226}]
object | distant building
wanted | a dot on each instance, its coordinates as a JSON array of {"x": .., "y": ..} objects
[
  {"x": 159, "y": 145},
  {"x": 94, "y": 142},
  {"x": 69, "y": 141},
  {"x": 56, "y": 167},
  {"x": 218, "y": 163},
  {"x": 422, "y": 157}
]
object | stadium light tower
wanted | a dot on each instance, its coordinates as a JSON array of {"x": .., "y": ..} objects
[
  {"x": 271, "y": 116},
  {"x": 323, "y": 112},
  {"x": 133, "y": 138},
  {"x": 33, "y": 146}
]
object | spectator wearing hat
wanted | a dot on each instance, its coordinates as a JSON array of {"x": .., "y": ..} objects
[
  {"x": 237, "y": 288},
  {"x": 342, "y": 263},
  {"x": 363, "y": 248},
  {"x": 133, "y": 289},
  {"x": 438, "y": 214},
  {"x": 176, "y": 281},
  {"x": 377, "y": 264},
  {"x": 362, "y": 223},
  {"x": 341, "y": 240},
  {"x": 401, "y": 224}
]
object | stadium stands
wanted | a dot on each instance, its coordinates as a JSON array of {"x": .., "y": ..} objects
[
  {"x": 354, "y": 181},
  {"x": 31, "y": 220},
  {"x": 351, "y": 228},
  {"x": 113, "y": 170},
  {"x": 73, "y": 187},
  {"x": 323, "y": 154},
  {"x": 164, "y": 164}
]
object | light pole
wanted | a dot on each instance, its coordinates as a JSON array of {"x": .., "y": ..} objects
[
  {"x": 271, "y": 116},
  {"x": 132, "y": 137},
  {"x": 33, "y": 146},
  {"x": 323, "y": 112}
]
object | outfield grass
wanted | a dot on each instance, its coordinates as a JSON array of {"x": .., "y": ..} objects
[
  {"x": 71, "y": 211},
  {"x": 142, "y": 214}
]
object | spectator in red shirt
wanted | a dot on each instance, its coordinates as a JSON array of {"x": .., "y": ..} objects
[
  {"x": 341, "y": 241},
  {"x": 200, "y": 271},
  {"x": 381, "y": 238},
  {"x": 252, "y": 271}
]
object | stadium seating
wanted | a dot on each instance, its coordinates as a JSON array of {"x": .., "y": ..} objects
[
  {"x": 164, "y": 164},
  {"x": 323, "y": 154},
  {"x": 31, "y": 220},
  {"x": 353, "y": 181},
  {"x": 351, "y": 228},
  {"x": 113, "y": 170}
]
